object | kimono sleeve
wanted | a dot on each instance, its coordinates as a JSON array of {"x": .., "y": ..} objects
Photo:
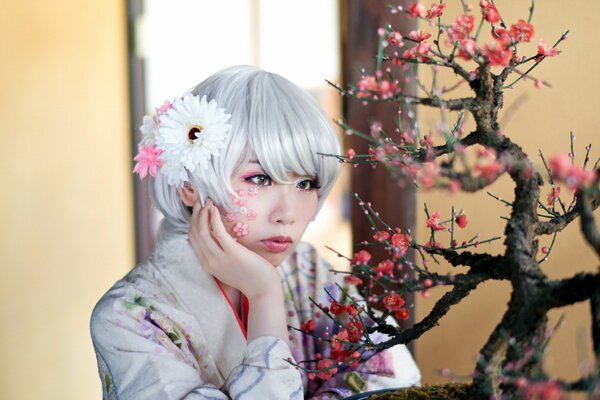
[{"x": 143, "y": 354}]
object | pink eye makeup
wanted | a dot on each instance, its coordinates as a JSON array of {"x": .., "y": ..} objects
[{"x": 257, "y": 179}]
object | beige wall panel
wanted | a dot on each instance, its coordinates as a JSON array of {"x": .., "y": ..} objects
[
  {"x": 538, "y": 119},
  {"x": 67, "y": 232}
]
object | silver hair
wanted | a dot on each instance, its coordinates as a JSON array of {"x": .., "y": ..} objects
[{"x": 273, "y": 120}]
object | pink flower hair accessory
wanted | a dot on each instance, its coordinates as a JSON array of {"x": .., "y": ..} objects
[{"x": 182, "y": 136}]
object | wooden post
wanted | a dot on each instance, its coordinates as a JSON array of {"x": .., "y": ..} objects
[
  {"x": 144, "y": 238},
  {"x": 360, "y": 21}
]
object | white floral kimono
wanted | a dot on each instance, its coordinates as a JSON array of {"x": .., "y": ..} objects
[{"x": 168, "y": 331}]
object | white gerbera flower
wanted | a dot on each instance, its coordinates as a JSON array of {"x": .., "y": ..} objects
[
  {"x": 176, "y": 174},
  {"x": 148, "y": 130},
  {"x": 190, "y": 134}
]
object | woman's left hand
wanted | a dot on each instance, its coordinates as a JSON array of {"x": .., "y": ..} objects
[{"x": 226, "y": 259}]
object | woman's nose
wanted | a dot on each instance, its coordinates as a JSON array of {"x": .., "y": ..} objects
[{"x": 283, "y": 209}]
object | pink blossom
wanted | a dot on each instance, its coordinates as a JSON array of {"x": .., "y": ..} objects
[
  {"x": 350, "y": 153},
  {"x": 368, "y": 86},
  {"x": 548, "y": 390},
  {"x": 309, "y": 326},
  {"x": 353, "y": 280},
  {"x": 454, "y": 186},
  {"x": 502, "y": 35},
  {"x": 489, "y": 171},
  {"x": 553, "y": 196},
  {"x": 462, "y": 220},
  {"x": 361, "y": 257},
  {"x": 544, "y": 51},
  {"x": 489, "y": 11},
  {"x": 522, "y": 31},
  {"x": 251, "y": 215},
  {"x": 580, "y": 178},
  {"x": 166, "y": 106},
  {"x": 367, "y": 83},
  {"x": 403, "y": 313},
  {"x": 385, "y": 267},
  {"x": 326, "y": 369},
  {"x": 381, "y": 236},
  {"x": 393, "y": 302},
  {"x": 419, "y": 35},
  {"x": 387, "y": 88},
  {"x": 429, "y": 174},
  {"x": 401, "y": 242},
  {"x": 560, "y": 165},
  {"x": 467, "y": 49},
  {"x": 574, "y": 176},
  {"x": 355, "y": 329},
  {"x": 148, "y": 161},
  {"x": 395, "y": 39},
  {"x": 416, "y": 9},
  {"x": 420, "y": 51},
  {"x": 434, "y": 222},
  {"x": 463, "y": 26},
  {"x": 436, "y": 10},
  {"x": 485, "y": 152},
  {"x": 497, "y": 55}
]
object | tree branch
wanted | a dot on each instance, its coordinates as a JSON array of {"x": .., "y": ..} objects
[
  {"x": 441, "y": 307},
  {"x": 585, "y": 205},
  {"x": 559, "y": 223},
  {"x": 569, "y": 291}
]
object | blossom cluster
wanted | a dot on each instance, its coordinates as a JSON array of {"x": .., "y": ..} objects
[
  {"x": 497, "y": 52},
  {"x": 344, "y": 343},
  {"x": 574, "y": 176}
]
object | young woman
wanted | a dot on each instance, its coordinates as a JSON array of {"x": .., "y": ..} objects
[{"x": 237, "y": 173}]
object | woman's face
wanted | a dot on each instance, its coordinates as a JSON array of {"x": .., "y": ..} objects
[{"x": 270, "y": 218}]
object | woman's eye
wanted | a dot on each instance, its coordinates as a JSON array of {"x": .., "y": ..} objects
[
  {"x": 259, "y": 180},
  {"x": 307, "y": 184}
]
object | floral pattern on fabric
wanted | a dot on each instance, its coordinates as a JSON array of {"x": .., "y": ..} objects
[
  {"x": 305, "y": 275},
  {"x": 165, "y": 331}
]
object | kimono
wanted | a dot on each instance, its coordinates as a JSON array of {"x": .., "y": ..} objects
[{"x": 167, "y": 331}]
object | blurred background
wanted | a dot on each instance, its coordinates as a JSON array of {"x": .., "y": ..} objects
[{"x": 66, "y": 133}]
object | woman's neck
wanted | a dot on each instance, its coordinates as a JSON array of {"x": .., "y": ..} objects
[{"x": 234, "y": 295}]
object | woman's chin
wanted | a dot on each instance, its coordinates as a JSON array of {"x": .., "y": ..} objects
[{"x": 275, "y": 259}]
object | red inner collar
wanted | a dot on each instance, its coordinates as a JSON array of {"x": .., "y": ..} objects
[{"x": 243, "y": 319}]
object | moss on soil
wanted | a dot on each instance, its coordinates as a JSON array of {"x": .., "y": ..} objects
[{"x": 458, "y": 391}]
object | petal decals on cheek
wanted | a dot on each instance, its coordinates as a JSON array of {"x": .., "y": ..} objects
[
  {"x": 240, "y": 229},
  {"x": 229, "y": 217},
  {"x": 251, "y": 215},
  {"x": 238, "y": 200},
  {"x": 243, "y": 210},
  {"x": 252, "y": 191}
]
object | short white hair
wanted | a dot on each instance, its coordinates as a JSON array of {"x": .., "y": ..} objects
[{"x": 273, "y": 120}]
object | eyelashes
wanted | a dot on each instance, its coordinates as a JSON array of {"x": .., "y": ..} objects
[
  {"x": 263, "y": 180},
  {"x": 259, "y": 180},
  {"x": 308, "y": 184}
]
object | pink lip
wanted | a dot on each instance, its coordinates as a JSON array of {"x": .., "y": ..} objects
[{"x": 277, "y": 244}]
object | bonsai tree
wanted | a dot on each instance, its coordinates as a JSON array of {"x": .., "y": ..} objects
[{"x": 468, "y": 153}]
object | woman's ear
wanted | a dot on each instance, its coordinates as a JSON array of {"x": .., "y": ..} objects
[{"x": 189, "y": 194}]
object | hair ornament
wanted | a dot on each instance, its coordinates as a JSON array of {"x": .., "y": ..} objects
[{"x": 180, "y": 137}]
